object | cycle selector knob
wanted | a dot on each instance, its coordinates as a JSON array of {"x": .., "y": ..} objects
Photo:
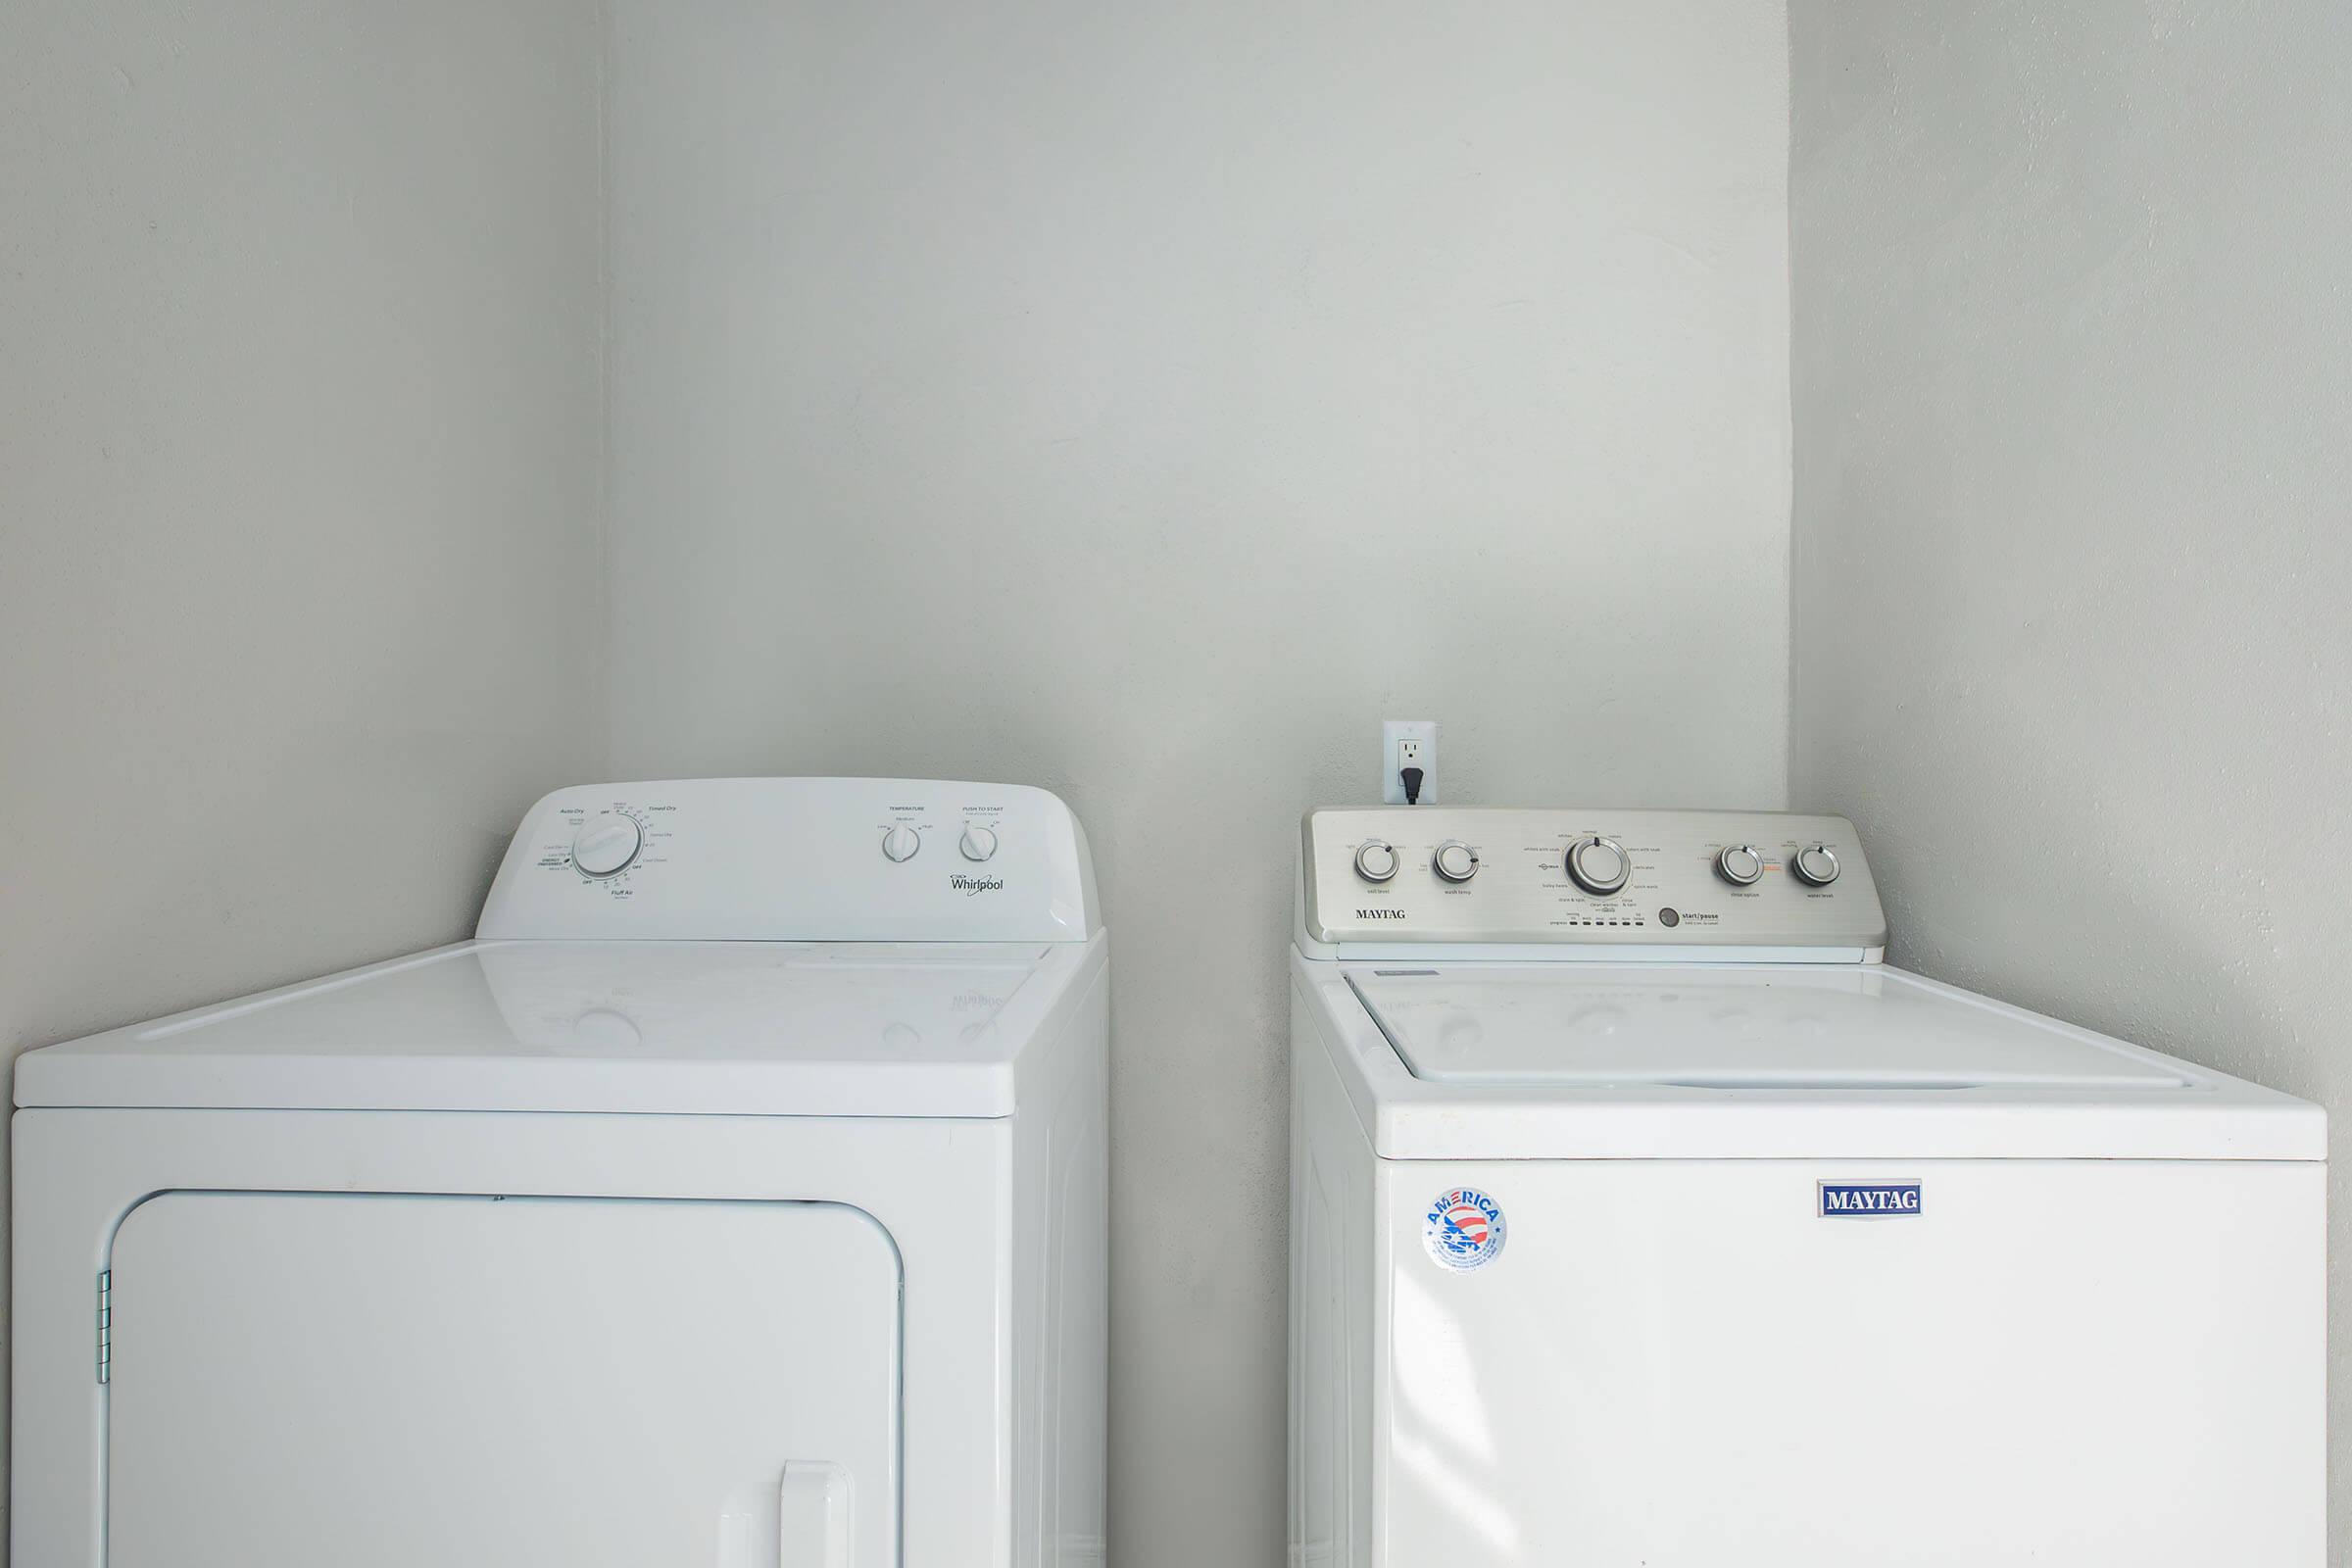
[
  {"x": 901, "y": 843},
  {"x": 606, "y": 845},
  {"x": 1376, "y": 861},
  {"x": 1815, "y": 866},
  {"x": 1455, "y": 861},
  {"x": 1600, "y": 865},
  {"x": 978, "y": 843},
  {"x": 1740, "y": 865}
]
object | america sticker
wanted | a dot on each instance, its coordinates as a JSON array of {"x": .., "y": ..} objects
[{"x": 1463, "y": 1229}]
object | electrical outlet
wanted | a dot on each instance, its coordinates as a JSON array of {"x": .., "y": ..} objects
[{"x": 1408, "y": 743}]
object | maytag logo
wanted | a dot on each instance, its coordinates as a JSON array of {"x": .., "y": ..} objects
[
  {"x": 1380, "y": 914},
  {"x": 971, "y": 887},
  {"x": 1869, "y": 1200}
]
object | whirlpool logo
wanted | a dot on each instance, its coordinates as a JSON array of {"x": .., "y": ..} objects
[
  {"x": 971, "y": 887},
  {"x": 1869, "y": 1200}
]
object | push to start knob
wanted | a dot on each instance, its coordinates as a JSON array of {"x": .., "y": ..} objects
[
  {"x": 606, "y": 844},
  {"x": 1740, "y": 865},
  {"x": 1600, "y": 865},
  {"x": 978, "y": 843},
  {"x": 1376, "y": 861},
  {"x": 1815, "y": 866},
  {"x": 901, "y": 843},
  {"x": 1454, "y": 861}
]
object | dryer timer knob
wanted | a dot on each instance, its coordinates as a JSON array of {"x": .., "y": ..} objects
[{"x": 606, "y": 844}]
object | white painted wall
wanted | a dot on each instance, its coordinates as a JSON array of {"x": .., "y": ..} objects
[
  {"x": 299, "y": 544},
  {"x": 1143, "y": 400},
  {"x": 2073, "y": 515}
]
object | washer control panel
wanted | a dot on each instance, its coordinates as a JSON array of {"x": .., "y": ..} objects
[
  {"x": 797, "y": 859},
  {"x": 1401, "y": 877}
]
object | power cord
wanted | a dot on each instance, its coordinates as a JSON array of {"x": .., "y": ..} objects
[{"x": 1412, "y": 785}]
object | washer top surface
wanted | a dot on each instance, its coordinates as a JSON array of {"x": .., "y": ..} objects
[
  {"x": 1621, "y": 983},
  {"x": 1735, "y": 1027},
  {"x": 1498, "y": 1061},
  {"x": 759, "y": 1028}
]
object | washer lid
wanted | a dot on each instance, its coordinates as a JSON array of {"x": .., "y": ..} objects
[
  {"x": 1734, "y": 1028},
  {"x": 743, "y": 1028}
]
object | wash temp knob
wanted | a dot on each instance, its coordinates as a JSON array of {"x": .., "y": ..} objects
[{"x": 1454, "y": 861}]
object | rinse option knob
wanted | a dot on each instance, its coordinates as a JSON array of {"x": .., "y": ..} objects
[
  {"x": 1815, "y": 866},
  {"x": 1740, "y": 865},
  {"x": 901, "y": 843},
  {"x": 606, "y": 844},
  {"x": 1454, "y": 861},
  {"x": 978, "y": 843},
  {"x": 1600, "y": 865},
  {"x": 1376, "y": 861}
]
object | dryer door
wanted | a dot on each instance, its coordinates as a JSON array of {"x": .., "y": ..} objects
[{"x": 376, "y": 1380}]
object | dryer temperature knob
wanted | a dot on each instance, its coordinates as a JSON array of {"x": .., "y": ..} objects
[{"x": 901, "y": 843}]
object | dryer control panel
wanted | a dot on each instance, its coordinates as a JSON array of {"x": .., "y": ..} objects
[
  {"x": 1575, "y": 877},
  {"x": 797, "y": 859}
]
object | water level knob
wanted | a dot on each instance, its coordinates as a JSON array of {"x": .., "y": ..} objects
[{"x": 1815, "y": 866}]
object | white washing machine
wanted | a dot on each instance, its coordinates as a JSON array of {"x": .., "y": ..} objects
[
  {"x": 1641, "y": 1215},
  {"x": 737, "y": 1196}
]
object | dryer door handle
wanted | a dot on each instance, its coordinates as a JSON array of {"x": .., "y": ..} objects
[{"x": 812, "y": 1515}]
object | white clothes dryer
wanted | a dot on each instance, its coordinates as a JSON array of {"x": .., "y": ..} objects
[{"x": 736, "y": 1196}]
